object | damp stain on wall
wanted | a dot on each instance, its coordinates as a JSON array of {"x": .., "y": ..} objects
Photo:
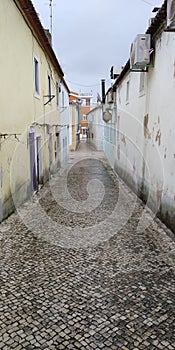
[
  {"x": 123, "y": 139},
  {"x": 147, "y": 133},
  {"x": 158, "y": 137},
  {"x": 174, "y": 70}
]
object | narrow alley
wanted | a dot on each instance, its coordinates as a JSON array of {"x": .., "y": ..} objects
[{"x": 85, "y": 266}]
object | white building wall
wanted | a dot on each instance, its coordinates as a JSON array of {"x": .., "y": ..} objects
[
  {"x": 70, "y": 126},
  {"x": 65, "y": 120},
  {"x": 145, "y": 131},
  {"x": 96, "y": 128},
  {"x": 73, "y": 126},
  {"x": 162, "y": 122},
  {"x": 130, "y": 115}
]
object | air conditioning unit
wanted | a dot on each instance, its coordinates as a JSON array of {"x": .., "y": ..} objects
[
  {"x": 171, "y": 14},
  {"x": 140, "y": 51}
]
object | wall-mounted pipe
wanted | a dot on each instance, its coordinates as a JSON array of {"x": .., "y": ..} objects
[{"x": 103, "y": 90}]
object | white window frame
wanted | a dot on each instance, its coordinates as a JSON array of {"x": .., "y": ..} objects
[{"x": 36, "y": 76}]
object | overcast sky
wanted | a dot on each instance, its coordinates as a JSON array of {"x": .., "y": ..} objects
[{"x": 91, "y": 36}]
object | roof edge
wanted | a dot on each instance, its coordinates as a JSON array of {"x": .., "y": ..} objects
[{"x": 29, "y": 13}]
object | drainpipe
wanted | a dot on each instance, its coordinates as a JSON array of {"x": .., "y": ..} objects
[
  {"x": 115, "y": 114},
  {"x": 103, "y": 95},
  {"x": 106, "y": 114},
  {"x": 79, "y": 114},
  {"x": 103, "y": 90}
]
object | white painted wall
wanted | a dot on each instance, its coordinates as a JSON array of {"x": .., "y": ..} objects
[
  {"x": 145, "y": 130},
  {"x": 110, "y": 129},
  {"x": 96, "y": 128},
  {"x": 73, "y": 126},
  {"x": 65, "y": 120}
]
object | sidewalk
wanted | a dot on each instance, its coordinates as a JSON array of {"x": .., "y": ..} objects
[{"x": 83, "y": 266}]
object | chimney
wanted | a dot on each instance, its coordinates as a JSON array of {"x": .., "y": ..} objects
[
  {"x": 103, "y": 90},
  {"x": 49, "y": 37}
]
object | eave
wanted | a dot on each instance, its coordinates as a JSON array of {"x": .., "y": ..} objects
[{"x": 28, "y": 11}]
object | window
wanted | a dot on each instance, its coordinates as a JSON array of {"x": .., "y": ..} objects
[
  {"x": 127, "y": 91},
  {"x": 49, "y": 86},
  {"x": 142, "y": 82},
  {"x": 57, "y": 94},
  {"x": 88, "y": 102},
  {"x": 62, "y": 98},
  {"x": 36, "y": 77},
  {"x": 84, "y": 117}
]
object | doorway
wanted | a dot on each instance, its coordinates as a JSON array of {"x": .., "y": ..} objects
[
  {"x": 38, "y": 156},
  {"x": 33, "y": 179},
  {"x": 35, "y": 161}
]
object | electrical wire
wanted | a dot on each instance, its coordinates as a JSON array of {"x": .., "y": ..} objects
[
  {"x": 78, "y": 84},
  {"x": 147, "y": 2}
]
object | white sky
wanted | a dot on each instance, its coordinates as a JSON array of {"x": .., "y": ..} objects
[{"x": 91, "y": 36}]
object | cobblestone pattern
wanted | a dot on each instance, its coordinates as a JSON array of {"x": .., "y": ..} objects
[{"x": 116, "y": 294}]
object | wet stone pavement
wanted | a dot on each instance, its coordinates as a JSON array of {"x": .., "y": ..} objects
[{"x": 84, "y": 266}]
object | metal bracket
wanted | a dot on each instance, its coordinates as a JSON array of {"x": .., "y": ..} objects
[{"x": 51, "y": 97}]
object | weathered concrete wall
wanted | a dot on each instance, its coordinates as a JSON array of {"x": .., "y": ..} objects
[{"x": 144, "y": 153}]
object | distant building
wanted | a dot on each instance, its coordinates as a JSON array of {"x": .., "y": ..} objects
[
  {"x": 64, "y": 122},
  {"x": 84, "y": 102},
  {"x": 86, "y": 106},
  {"x": 74, "y": 136},
  {"x": 96, "y": 128}
]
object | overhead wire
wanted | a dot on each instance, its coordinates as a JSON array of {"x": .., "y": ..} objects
[
  {"x": 78, "y": 84},
  {"x": 147, "y": 2}
]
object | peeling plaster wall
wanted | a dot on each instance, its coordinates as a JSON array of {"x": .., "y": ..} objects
[
  {"x": 162, "y": 123},
  {"x": 129, "y": 130},
  {"x": 145, "y": 131}
]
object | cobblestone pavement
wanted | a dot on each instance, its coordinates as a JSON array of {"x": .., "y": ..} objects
[{"x": 83, "y": 266}]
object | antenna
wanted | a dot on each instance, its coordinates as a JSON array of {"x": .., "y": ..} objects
[{"x": 51, "y": 16}]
